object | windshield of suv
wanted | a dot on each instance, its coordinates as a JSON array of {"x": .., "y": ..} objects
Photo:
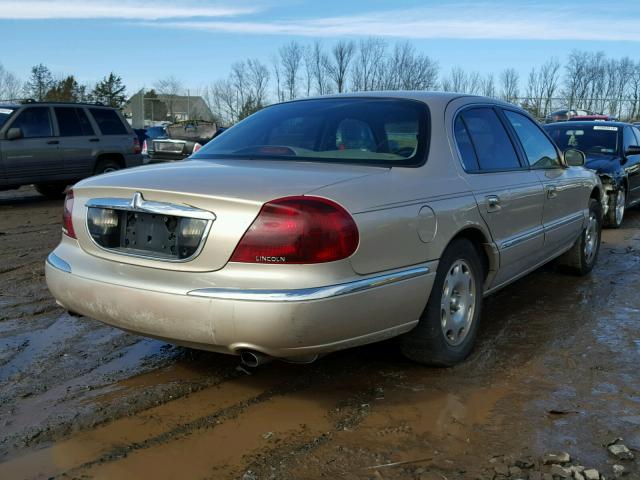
[
  {"x": 5, "y": 113},
  {"x": 344, "y": 130},
  {"x": 599, "y": 139}
]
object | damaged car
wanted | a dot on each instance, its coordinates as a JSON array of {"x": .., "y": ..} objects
[
  {"x": 612, "y": 150},
  {"x": 321, "y": 224},
  {"x": 178, "y": 141}
]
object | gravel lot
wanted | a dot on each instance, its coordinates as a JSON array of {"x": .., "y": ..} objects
[{"x": 556, "y": 369}]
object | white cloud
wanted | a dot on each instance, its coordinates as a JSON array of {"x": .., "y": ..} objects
[
  {"x": 123, "y": 9},
  {"x": 462, "y": 20}
]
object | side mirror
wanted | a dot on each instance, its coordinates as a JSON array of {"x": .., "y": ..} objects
[
  {"x": 574, "y": 158},
  {"x": 14, "y": 134},
  {"x": 632, "y": 150}
]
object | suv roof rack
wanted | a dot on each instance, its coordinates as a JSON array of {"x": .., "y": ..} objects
[{"x": 23, "y": 101}]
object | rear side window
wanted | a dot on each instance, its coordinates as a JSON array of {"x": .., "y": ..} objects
[
  {"x": 73, "y": 122},
  {"x": 34, "y": 122},
  {"x": 490, "y": 140},
  {"x": 108, "y": 121},
  {"x": 538, "y": 148},
  {"x": 468, "y": 154}
]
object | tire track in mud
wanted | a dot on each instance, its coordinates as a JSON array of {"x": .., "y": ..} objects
[{"x": 279, "y": 387}]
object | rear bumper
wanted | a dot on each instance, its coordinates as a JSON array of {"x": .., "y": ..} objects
[{"x": 281, "y": 323}]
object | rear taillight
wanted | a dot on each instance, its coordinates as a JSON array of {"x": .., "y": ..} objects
[
  {"x": 67, "y": 223},
  {"x": 136, "y": 146},
  {"x": 298, "y": 230},
  {"x": 196, "y": 147},
  {"x": 145, "y": 148}
]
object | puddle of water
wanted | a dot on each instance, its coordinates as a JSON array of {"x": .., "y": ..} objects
[
  {"x": 438, "y": 413},
  {"x": 87, "y": 446}
]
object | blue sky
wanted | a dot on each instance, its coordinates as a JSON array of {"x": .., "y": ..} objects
[{"x": 198, "y": 40}]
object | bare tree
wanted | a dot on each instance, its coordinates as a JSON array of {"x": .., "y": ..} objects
[
  {"x": 242, "y": 93},
  {"x": 318, "y": 62},
  {"x": 10, "y": 85},
  {"x": 290, "y": 58},
  {"x": 456, "y": 81},
  {"x": 634, "y": 92},
  {"x": 369, "y": 66},
  {"x": 337, "y": 67},
  {"x": 488, "y": 86},
  {"x": 549, "y": 75},
  {"x": 170, "y": 88},
  {"x": 509, "y": 84},
  {"x": 407, "y": 70}
]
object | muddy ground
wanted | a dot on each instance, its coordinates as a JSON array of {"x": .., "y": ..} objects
[{"x": 556, "y": 368}]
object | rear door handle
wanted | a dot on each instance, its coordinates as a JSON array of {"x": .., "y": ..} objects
[
  {"x": 53, "y": 142},
  {"x": 493, "y": 203},
  {"x": 94, "y": 139},
  {"x": 552, "y": 192}
]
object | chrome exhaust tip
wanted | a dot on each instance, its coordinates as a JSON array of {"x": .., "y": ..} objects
[{"x": 253, "y": 359}]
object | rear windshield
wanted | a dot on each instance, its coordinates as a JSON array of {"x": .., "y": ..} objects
[
  {"x": 598, "y": 139},
  {"x": 5, "y": 113},
  {"x": 345, "y": 130},
  {"x": 155, "y": 132}
]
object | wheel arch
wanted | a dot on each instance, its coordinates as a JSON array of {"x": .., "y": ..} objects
[
  {"x": 485, "y": 247},
  {"x": 116, "y": 157}
]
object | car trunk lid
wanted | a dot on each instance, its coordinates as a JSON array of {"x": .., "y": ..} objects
[{"x": 233, "y": 192}]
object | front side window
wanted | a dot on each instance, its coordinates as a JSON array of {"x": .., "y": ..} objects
[
  {"x": 592, "y": 139},
  {"x": 108, "y": 121},
  {"x": 344, "y": 130},
  {"x": 490, "y": 140},
  {"x": 34, "y": 122},
  {"x": 5, "y": 113},
  {"x": 539, "y": 150}
]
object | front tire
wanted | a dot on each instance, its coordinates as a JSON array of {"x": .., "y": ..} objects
[
  {"x": 582, "y": 257},
  {"x": 617, "y": 206},
  {"x": 449, "y": 324}
]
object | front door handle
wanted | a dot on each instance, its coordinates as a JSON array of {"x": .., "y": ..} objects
[
  {"x": 493, "y": 203},
  {"x": 552, "y": 192},
  {"x": 53, "y": 142},
  {"x": 94, "y": 139}
]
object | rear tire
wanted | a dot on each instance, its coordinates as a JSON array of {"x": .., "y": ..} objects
[
  {"x": 106, "y": 166},
  {"x": 449, "y": 324},
  {"x": 53, "y": 191},
  {"x": 582, "y": 257},
  {"x": 617, "y": 206}
]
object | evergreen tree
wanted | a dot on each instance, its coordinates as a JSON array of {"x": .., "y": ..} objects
[
  {"x": 40, "y": 82},
  {"x": 66, "y": 90},
  {"x": 110, "y": 91}
]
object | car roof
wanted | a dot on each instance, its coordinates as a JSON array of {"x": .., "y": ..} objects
[
  {"x": 609, "y": 123},
  {"x": 436, "y": 99}
]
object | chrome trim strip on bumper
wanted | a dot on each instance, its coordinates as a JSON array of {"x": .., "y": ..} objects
[
  {"x": 138, "y": 204},
  {"x": 56, "y": 262},
  {"x": 307, "y": 294}
]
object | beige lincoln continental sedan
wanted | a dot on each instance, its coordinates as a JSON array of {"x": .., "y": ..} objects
[{"x": 320, "y": 224}]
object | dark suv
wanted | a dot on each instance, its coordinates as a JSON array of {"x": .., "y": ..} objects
[{"x": 52, "y": 145}]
